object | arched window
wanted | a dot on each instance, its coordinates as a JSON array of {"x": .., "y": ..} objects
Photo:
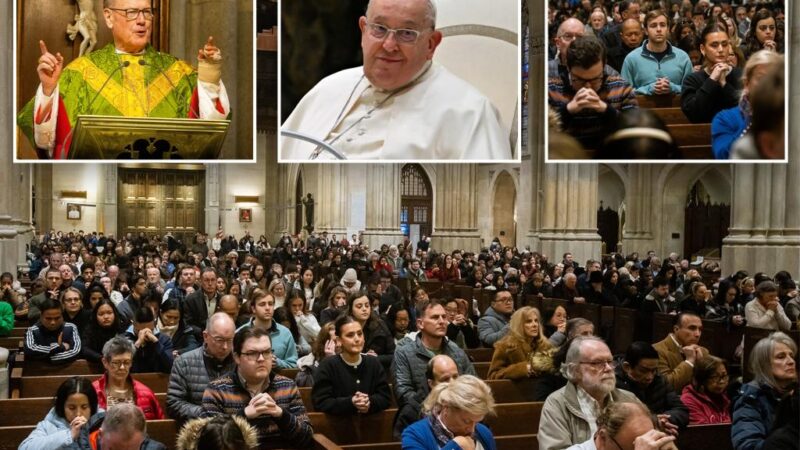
[{"x": 416, "y": 200}]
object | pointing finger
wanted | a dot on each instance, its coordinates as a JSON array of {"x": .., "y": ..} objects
[
  {"x": 210, "y": 41},
  {"x": 43, "y": 47}
]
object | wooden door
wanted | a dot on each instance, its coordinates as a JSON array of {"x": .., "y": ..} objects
[{"x": 157, "y": 201}]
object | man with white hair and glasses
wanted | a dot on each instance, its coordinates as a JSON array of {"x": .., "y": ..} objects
[
  {"x": 569, "y": 415},
  {"x": 399, "y": 104}
]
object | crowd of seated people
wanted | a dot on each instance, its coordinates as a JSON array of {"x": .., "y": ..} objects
[
  {"x": 409, "y": 340},
  {"x": 709, "y": 57}
]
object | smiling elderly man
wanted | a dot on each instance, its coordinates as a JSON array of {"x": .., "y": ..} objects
[
  {"x": 126, "y": 78},
  {"x": 399, "y": 104}
]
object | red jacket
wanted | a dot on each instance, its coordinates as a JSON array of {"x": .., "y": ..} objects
[
  {"x": 142, "y": 396},
  {"x": 703, "y": 409}
]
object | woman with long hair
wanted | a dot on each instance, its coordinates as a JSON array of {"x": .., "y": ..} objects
[
  {"x": 105, "y": 323},
  {"x": 337, "y": 304},
  {"x": 285, "y": 318},
  {"x": 74, "y": 406},
  {"x": 325, "y": 345},
  {"x": 306, "y": 321},
  {"x": 715, "y": 87},
  {"x": 72, "y": 304},
  {"x": 170, "y": 323},
  {"x": 524, "y": 352},
  {"x": 378, "y": 340},
  {"x": 763, "y": 34}
]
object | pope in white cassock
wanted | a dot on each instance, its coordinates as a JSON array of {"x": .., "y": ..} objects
[{"x": 400, "y": 105}]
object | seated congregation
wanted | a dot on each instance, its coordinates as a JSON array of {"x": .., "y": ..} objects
[
  {"x": 646, "y": 79},
  {"x": 325, "y": 343}
]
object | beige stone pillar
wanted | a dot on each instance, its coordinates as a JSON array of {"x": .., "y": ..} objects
[
  {"x": 330, "y": 209},
  {"x": 638, "y": 235},
  {"x": 765, "y": 217},
  {"x": 15, "y": 195},
  {"x": 569, "y": 216},
  {"x": 536, "y": 117},
  {"x": 383, "y": 205},
  {"x": 455, "y": 219},
  {"x": 107, "y": 199}
]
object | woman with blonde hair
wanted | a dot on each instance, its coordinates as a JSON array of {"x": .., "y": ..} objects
[
  {"x": 453, "y": 412},
  {"x": 524, "y": 352}
]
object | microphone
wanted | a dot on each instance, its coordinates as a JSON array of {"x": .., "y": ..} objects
[
  {"x": 144, "y": 63},
  {"x": 121, "y": 66}
]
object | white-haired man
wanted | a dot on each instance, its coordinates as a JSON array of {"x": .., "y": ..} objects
[{"x": 569, "y": 415}]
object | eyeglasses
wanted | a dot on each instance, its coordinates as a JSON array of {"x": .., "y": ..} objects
[
  {"x": 600, "y": 365},
  {"x": 72, "y": 300},
  {"x": 120, "y": 364},
  {"x": 569, "y": 37},
  {"x": 221, "y": 340},
  {"x": 578, "y": 81},
  {"x": 255, "y": 355},
  {"x": 133, "y": 14},
  {"x": 402, "y": 35},
  {"x": 719, "y": 378},
  {"x": 505, "y": 300}
]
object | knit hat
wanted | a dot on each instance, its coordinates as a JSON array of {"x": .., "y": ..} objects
[{"x": 350, "y": 276}]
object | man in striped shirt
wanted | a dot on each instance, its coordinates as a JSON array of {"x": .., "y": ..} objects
[
  {"x": 269, "y": 402},
  {"x": 590, "y": 96}
]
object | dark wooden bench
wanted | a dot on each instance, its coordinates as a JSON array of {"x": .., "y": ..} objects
[
  {"x": 77, "y": 367},
  {"x": 11, "y": 342},
  {"x": 30, "y": 411},
  {"x": 480, "y": 354},
  {"x": 514, "y": 442},
  {"x": 717, "y": 437},
  {"x": 691, "y": 134},
  {"x": 659, "y": 101},
  {"x": 46, "y": 386},
  {"x": 671, "y": 115},
  {"x": 511, "y": 419}
]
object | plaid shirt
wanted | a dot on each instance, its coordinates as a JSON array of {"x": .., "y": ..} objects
[
  {"x": 227, "y": 395},
  {"x": 590, "y": 128}
]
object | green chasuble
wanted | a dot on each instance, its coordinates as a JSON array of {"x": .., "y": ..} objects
[{"x": 161, "y": 87}]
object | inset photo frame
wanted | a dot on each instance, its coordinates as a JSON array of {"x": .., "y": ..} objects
[
  {"x": 73, "y": 211},
  {"x": 245, "y": 215}
]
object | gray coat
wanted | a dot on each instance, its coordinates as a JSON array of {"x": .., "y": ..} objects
[
  {"x": 411, "y": 384},
  {"x": 190, "y": 375},
  {"x": 492, "y": 327}
]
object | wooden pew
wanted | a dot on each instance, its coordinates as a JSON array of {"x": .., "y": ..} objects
[
  {"x": 659, "y": 101},
  {"x": 691, "y": 134},
  {"x": 696, "y": 151},
  {"x": 482, "y": 369},
  {"x": 480, "y": 354},
  {"x": 671, "y": 115},
  {"x": 11, "y": 343},
  {"x": 77, "y": 367},
  {"x": 717, "y": 437},
  {"x": 624, "y": 326},
  {"x": 511, "y": 419},
  {"x": 30, "y": 411},
  {"x": 46, "y": 386},
  {"x": 514, "y": 442},
  {"x": 18, "y": 332},
  {"x": 164, "y": 431}
]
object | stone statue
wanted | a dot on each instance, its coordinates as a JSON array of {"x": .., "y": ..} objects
[
  {"x": 86, "y": 25},
  {"x": 308, "y": 202}
]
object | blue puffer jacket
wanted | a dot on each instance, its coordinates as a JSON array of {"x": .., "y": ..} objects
[
  {"x": 49, "y": 434},
  {"x": 753, "y": 415}
]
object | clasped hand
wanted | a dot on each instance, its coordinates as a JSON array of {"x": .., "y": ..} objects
[{"x": 586, "y": 98}]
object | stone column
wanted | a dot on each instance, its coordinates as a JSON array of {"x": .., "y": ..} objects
[
  {"x": 213, "y": 193},
  {"x": 107, "y": 200},
  {"x": 765, "y": 212},
  {"x": 455, "y": 219},
  {"x": 383, "y": 205},
  {"x": 536, "y": 117},
  {"x": 15, "y": 197},
  {"x": 569, "y": 215},
  {"x": 639, "y": 201},
  {"x": 330, "y": 210}
]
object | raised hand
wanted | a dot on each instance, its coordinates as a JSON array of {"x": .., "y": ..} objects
[
  {"x": 49, "y": 69},
  {"x": 209, "y": 51}
]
